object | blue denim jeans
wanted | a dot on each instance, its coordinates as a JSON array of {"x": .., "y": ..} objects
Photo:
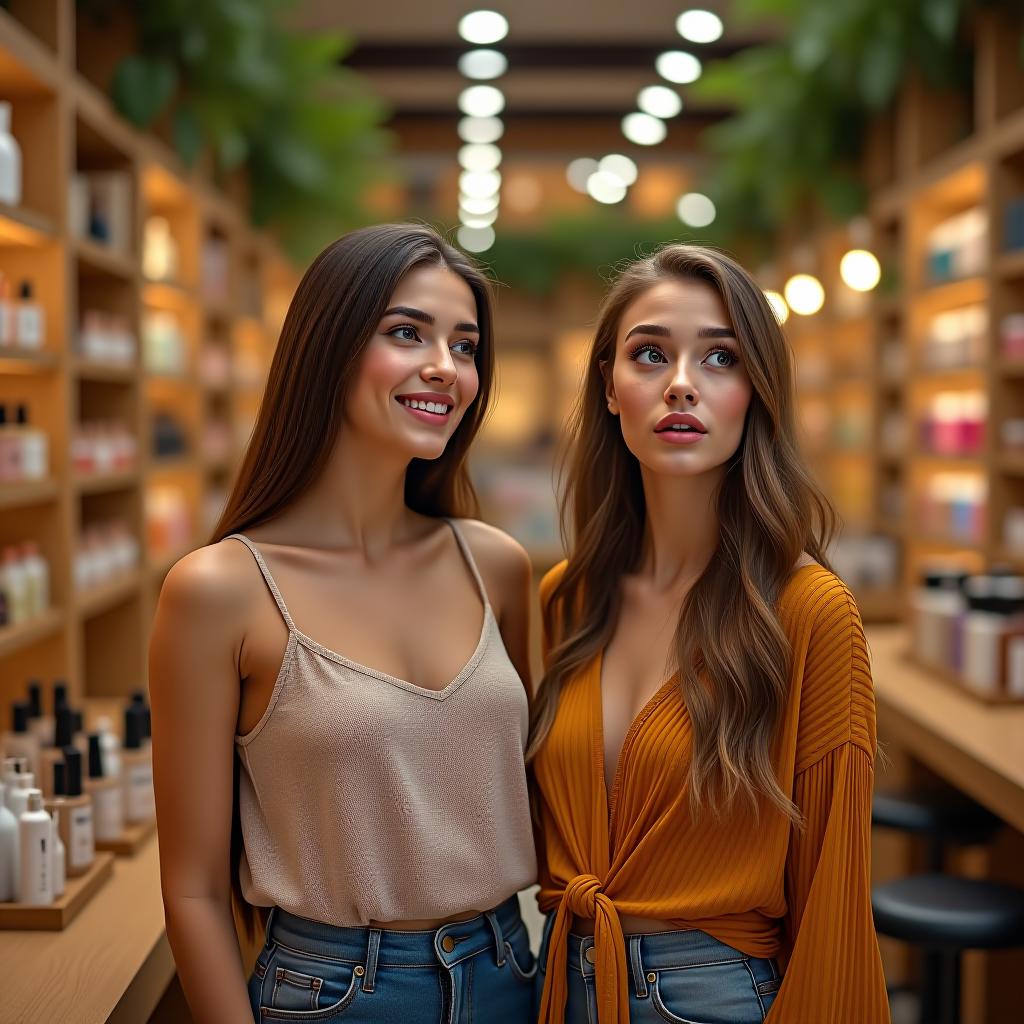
[
  {"x": 684, "y": 977},
  {"x": 480, "y": 970}
]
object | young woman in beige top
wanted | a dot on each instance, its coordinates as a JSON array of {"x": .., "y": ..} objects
[{"x": 340, "y": 693}]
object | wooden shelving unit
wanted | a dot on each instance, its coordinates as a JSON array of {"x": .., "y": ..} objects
[
  {"x": 96, "y": 639},
  {"x": 930, "y": 158}
]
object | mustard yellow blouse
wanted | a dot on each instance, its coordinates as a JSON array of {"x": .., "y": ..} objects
[{"x": 761, "y": 886}]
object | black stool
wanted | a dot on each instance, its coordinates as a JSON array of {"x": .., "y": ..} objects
[{"x": 943, "y": 914}]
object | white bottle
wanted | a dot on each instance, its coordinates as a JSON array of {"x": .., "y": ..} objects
[
  {"x": 35, "y": 834},
  {"x": 15, "y": 583},
  {"x": 111, "y": 747},
  {"x": 10, "y": 160},
  {"x": 38, "y": 573},
  {"x": 8, "y": 851},
  {"x": 28, "y": 319},
  {"x": 13, "y": 767},
  {"x": 59, "y": 853},
  {"x": 17, "y": 800}
]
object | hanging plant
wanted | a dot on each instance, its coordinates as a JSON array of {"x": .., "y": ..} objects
[
  {"x": 804, "y": 103},
  {"x": 234, "y": 80}
]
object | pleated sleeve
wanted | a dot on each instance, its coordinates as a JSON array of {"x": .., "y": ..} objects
[{"x": 832, "y": 967}]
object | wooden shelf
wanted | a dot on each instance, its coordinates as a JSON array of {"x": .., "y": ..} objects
[
  {"x": 1010, "y": 264},
  {"x": 1011, "y": 368},
  {"x": 96, "y": 257},
  {"x": 58, "y": 915},
  {"x": 27, "y": 67},
  {"x": 28, "y": 493},
  {"x": 1012, "y": 463},
  {"x": 19, "y": 226},
  {"x": 105, "y": 482},
  {"x": 86, "y": 369},
  {"x": 20, "y": 361},
  {"x": 170, "y": 295},
  {"x": 17, "y": 638},
  {"x": 105, "y": 596}
]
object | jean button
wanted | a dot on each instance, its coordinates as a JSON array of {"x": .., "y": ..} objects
[
  {"x": 590, "y": 955},
  {"x": 448, "y": 943}
]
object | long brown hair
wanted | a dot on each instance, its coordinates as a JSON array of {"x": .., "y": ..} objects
[
  {"x": 331, "y": 319},
  {"x": 731, "y": 651}
]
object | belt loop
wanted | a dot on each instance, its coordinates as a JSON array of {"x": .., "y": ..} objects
[
  {"x": 270, "y": 922},
  {"x": 372, "y": 951},
  {"x": 499, "y": 939},
  {"x": 637, "y": 967}
]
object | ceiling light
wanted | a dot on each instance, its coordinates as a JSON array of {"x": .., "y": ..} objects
[
  {"x": 479, "y": 184},
  {"x": 605, "y": 188},
  {"x": 478, "y": 220},
  {"x": 678, "y": 66},
  {"x": 579, "y": 170},
  {"x": 643, "y": 130},
  {"x": 699, "y": 26},
  {"x": 481, "y": 101},
  {"x": 483, "y": 64},
  {"x": 804, "y": 294},
  {"x": 860, "y": 270},
  {"x": 695, "y": 209},
  {"x": 479, "y": 156},
  {"x": 475, "y": 239},
  {"x": 481, "y": 129},
  {"x": 619, "y": 166},
  {"x": 478, "y": 205},
  {"x": 483, "y": 27},
  {"x": 659, "y": 101}
]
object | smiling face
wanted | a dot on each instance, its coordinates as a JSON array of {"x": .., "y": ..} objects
[
  {"x": 677, "y": 383},
  {"x": 418, "y": 373}
]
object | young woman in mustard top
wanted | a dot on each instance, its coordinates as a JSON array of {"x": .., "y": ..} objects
[{"x": 703, "y": 739}]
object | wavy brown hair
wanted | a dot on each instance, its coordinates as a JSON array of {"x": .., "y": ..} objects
[
  {"x": 731, "y": 650},
  {"x": 331, "y": 320}
]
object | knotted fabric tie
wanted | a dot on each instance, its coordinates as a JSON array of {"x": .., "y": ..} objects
[{"x": 583, "y": 898}]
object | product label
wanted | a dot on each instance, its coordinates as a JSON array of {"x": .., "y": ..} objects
[
  {"x": 139, "y": 794},
  {"x": 82, "y": 849},
  {"x": 108, "y": 811}
]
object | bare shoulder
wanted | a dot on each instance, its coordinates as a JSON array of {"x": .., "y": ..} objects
[
  {"x": 217, "y": 579},
  {"x": 500, "y": 558},
  {"x": 803, "y": 561}
]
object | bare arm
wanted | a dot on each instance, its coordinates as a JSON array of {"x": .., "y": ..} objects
[{"x": 194, "y": 680}]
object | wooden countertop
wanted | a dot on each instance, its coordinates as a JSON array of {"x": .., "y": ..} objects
[
  {"x": 977, "y": 747},
  {"x": 112, "y": 963}
]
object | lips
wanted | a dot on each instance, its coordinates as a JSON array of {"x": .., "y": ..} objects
[
  {"x": 428, "y": 396},
  {"x": 684, "y": 419}
]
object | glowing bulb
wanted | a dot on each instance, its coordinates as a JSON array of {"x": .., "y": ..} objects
[
  {"x": 479, "y": 156},
  {"x": 619, "y": 166},
  {"x": 778, "y": 304},
  {"x": 479, "y": 184},
  {"x": 483, "y": 27},
  {"x": 483, "y": 64},
  {"x": 481, "y": 101},
  {"x": 695, "y": 209},
  {"x": 699, "y": 26},
  {"x": 643, "y": 129},
  {"x": 481, "y": 129},
  {"x": 478, "y": 205},
  {"x": 678, "y": 66},
  {"x": 804, "y": 294},
  {"x": 579, "y": 171},
  {"x": 475, "y": 239},
  {"x": 605, "y": 188},
  {"x": 659, "y": 101},
  {"x": 478, "y": 220},
  {"x": 860, "y": 270}
]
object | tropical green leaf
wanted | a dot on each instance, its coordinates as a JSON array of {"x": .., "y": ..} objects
[{"x": 142, "y": 88}]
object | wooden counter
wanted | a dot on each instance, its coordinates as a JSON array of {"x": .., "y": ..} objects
[
  {"x": 112, "y": 963},
  {"x": 976, "y": 747}
]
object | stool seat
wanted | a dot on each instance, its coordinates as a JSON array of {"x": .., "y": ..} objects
[
  {"x": 935, "y": 812},
  {"x": 945, "y": 911}
]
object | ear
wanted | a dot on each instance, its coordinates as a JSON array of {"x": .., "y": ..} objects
[{"x": 609, "y": 386}]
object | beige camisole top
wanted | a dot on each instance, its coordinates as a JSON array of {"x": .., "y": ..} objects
[{"x": 364, "y": 797}]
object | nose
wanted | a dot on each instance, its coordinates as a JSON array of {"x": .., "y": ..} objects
[
  {"x": 440, "y": 368},
  {"x": 680, "y": 387}
]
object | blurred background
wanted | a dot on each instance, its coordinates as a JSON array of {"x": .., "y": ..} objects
[{"x": 169, "y": 167}]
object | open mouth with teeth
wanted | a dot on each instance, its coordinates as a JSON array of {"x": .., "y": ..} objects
[
  {"x": 429, "y": 411},
  {"x": 682, "y": 428}
]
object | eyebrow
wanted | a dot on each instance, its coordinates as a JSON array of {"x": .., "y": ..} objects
[
  {"x": 663, "y": 332},
  {"x": 417, "y": 314}
]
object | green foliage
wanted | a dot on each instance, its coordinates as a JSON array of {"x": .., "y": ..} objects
[
  {"x": 804, "y": 103},
  {"x": 231, "y": 78}
]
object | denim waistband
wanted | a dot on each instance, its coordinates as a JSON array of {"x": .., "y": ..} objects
[{"x": 381, "y": 947}]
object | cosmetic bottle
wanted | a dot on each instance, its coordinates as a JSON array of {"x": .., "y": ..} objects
[
  {"x": 59, "y": 856},
  {"x": 8, "y": 850},
  {"x": 106, "y": 794},
  {"x": 28, "y": 319},
  {"x": 10, "y": 160},
  {"x": 16, "y": 584},
  {"x": 110, "y": 747},
  {"x": 52, "y": 756},
  {"x": 78, "y": 834},
  {"x": 136, "y": 768},
  {"x": 13, "y": 767},
  {"x": 17, "y": 798},
  {"x": 20, "y": 742},
  {"x": 35, "y": 833},
  {"x": 43, "y": 727},
  {"x": 35, "y": 447}
]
